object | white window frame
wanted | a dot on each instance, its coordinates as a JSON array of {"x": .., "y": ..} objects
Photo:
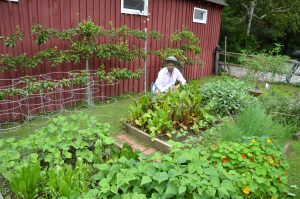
[
  {"x": 13, "y": 0},
  {"x": 133, "y": 11},
  {"x": 204, "y": 20}
]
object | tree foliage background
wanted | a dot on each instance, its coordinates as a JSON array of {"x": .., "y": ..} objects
[{"x": 257, "y": 25}]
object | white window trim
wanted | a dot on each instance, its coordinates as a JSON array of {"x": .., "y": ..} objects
[
  {"x": 13, "y": 0},
  {"x": 204, "y": 20},
  {"x": 134, "y": 12}
]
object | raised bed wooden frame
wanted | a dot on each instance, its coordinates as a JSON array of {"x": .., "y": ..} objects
[{"x": 157, "y": 143}]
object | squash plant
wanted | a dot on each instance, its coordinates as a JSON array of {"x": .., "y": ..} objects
[
  {"x": 57, "y": 160},
  {"x": 63, "y": 141}
]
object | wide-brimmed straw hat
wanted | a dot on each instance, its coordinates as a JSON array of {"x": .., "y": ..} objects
[{"x": 172, "y": 60}]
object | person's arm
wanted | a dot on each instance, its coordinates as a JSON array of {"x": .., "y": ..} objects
[{"x": 180, "y": 77}]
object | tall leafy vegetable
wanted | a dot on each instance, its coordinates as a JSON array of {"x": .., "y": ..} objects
[{"x": 169, "y": 113}]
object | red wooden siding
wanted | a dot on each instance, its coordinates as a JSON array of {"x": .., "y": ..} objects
[{"x": 165, "y": 16}]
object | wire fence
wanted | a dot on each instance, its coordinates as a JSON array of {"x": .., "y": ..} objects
[{"x": 19, "y": 109}]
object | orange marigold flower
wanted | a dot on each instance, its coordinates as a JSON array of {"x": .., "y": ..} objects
[
  {"x": 253, "y": 141},
  {"x": 269, "y": 141},
  {"x": 252, "y": 158},
  {"x": 225, "y": 160},
  {"x": 278, "y": 161},
  {"x": 264, "y": 157},
  {"x": 244, "y": 155},
  {"x": 246, "y": 190},
  {"x": 216, "y": 145}
]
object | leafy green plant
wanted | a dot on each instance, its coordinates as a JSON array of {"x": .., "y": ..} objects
[
  {"x": 225, "y": 170},
  {"x": 117, "y": 73},
  {"x": 229, "y": 96},
  {"x": 189, "y": 45},
  {"x": 11, "y": 40},
  {"x": 67, "y": 182},
  {"x": 172, "y": 113},
  {"x": 63, "y": 141},
  {"x": 252, "y": 121},
  {"x": 259, "y": 163},
  {"x": 81, "y": 78},
  {"x": 25, "y": 181}
]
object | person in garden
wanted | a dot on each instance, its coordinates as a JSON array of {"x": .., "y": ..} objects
[{"x": 168, "y": 76}]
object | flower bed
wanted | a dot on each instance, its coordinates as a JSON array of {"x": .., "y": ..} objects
[{"x": 254, "y": 169}]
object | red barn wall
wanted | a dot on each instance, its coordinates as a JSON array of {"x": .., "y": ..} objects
[{"x": 165, "y": 16}]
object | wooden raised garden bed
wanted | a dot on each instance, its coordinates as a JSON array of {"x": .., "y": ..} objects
[{"x": 156, "y": 143}]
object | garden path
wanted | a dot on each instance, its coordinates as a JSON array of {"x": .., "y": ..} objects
[
  {"x": 135, "y": 144},
  {"x": 241, "y": 72}
]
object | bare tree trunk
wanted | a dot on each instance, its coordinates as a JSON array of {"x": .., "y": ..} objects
[{"x": 250, "y": 13}]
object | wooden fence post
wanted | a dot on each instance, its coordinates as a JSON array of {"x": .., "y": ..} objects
[{"x": 217, "y": 66}]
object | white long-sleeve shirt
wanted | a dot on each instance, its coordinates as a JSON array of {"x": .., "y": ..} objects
[{"x": 165, "y": 80}]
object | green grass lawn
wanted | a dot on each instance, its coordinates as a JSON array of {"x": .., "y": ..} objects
[
  {"x": 294, "y": 162},
  {"x": 110, "y": 113}
]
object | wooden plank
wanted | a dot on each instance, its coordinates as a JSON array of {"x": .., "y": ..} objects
[
  {"x": 156, "y": 143},
  {"x": 231, "y": 64}
]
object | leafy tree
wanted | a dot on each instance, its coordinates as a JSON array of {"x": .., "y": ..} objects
[{"x": 258, "y": 24}]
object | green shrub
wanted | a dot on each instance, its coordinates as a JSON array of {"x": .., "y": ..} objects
[
  {"x": 252, "y": 121},
  {"x": 261, "y": 63},
  {"x": 229, "y": 96}
]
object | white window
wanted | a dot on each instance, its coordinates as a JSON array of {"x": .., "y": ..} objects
[
  {"x": 136, "y": 7},
  {"x": 200, "y": 15}
]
